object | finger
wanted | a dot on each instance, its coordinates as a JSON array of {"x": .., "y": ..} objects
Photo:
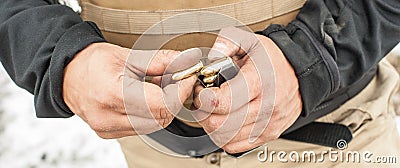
[
  {"x": 206, "y": 100},
  {"x": 247, "y": 114},
  {"x": 219, "y": 100},
  {"x": 227, "y": 126},
  {"x": 269, "y": 125},
  {"x": 145, "y": 107},
  {"x": 109, "y": 122},
  {"x": 157, "y": 63},
  {"x": 265, "y": 124},
  {"x": 245, "y": 133},
  {"x": 184, "y": 60},
  {"x": 233, "y": 121},
  {"x": 162, "y": 81},
  {"x": 244, "y": 87},
  {"x": 174, "y": 95},
  {"x": 116, "y": 126},
  {"x": 246, "y": 140},
  {"x": 144, "y": 126},
  {"x": 243, "y": 146},
  {"x": 136, "y": 95},
  {"x": 223, "y": 47},
  {"x": 197, "y": 101},
  {"x": 222, "y": 128},
  {"x": 115, "y": 134},
  {"x": 142, "y": 98},
  {"x": 197, "y": 89},
  {"x": 231, "y": 42},
  {"x": 157, "y": 80}
]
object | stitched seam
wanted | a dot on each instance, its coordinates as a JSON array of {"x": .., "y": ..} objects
[
  {"x": 309, "y": 69},
  {"x": 269, "y": 32},
  {"x": 332, "y": 69}
]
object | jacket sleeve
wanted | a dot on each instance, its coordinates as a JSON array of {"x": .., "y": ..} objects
[
  {"x": 332, "y": 43},
  {"x": 38, "y": 39}
]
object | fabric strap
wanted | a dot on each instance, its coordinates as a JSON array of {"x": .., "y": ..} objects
[{"x": 137, "y": 22}]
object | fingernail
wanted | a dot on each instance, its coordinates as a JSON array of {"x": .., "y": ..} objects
[
  {"x": 193, "y": 79},
  {"x": 205, "y": 96},
  {"x": 192, "y": 51},
  {"x": 215, "y": 54}
]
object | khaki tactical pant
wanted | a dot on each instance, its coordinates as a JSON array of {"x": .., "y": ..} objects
[{"x": 369, "y": 115}]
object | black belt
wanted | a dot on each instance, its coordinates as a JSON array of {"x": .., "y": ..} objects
[
  {"x": 327, "y": 134},
  {"x": 303, "y": 130}
]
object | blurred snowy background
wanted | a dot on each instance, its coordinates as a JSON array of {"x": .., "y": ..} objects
[{"x": 30, "y": 142}]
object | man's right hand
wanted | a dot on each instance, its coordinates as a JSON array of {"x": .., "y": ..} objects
[{"x": 106, "y": 89}]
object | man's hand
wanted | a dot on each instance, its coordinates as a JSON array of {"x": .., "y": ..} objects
[
  {"x": 256, "y": 106},
  {"x": 106, "y": 88}
]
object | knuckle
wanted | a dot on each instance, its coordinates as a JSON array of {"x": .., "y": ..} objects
[
  {"x": 275, "y": 137},
  {"x": 166, "y": 56},
  {"x": 196, "y": 102},
  {"x": 101, "y": 135},
  {"x": 164, "y": 122},
  {"x": 222, "y": 41},
  {"x": 187, "y": 94},
  {"x": 161, "y": 113},
  {"x": 103, "y": 101},
  {"x": 95, "y": 125},
  {"x": 230, "y": 149},
  {"x": 221, "y": 105},
  {"x": 104, "y": 135},
  {"x": 277, "y": 109},
  {"x": 169, "y": 52},
  {"x": 157, "y": 112},
  {"x": 99, "y": 125},
  {"x": 274, "y": 134},
  {"x": 214, "y": 123}
]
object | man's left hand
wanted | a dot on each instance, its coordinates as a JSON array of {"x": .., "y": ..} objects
[{"x": 257, "y": 105}]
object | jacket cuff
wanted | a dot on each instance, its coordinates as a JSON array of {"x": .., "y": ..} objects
[
  {"x": 71, "y": 42},
  {"x": 315, "y": 68}
]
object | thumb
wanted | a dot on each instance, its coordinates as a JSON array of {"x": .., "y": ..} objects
[
  {"x": 176, "y": 94},
  {"x": 223, "y": 47},
  {"x": 159, "y": 62},
  {"x": 232, "y": 42}
]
